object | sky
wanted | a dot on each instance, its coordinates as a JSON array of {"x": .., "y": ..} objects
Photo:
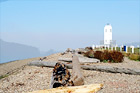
[{"x": 62, "y": 24}]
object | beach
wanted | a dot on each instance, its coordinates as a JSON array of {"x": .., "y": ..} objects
[{"x": 23, "y": 78}]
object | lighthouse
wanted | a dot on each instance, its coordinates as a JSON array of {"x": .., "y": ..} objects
[{"x": 108, "y": 35}]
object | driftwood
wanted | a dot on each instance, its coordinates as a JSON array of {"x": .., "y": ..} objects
[
  {"x": 81, "y": 60},
  {"x": 91, "y": 67},
  {"x": 112, "y": 69},
  {"x": 46, "y": 64},
  {"x": 65, "y": 59},
  {"x": 77, "y": 76},
  {"x": 92, "y": 88}
]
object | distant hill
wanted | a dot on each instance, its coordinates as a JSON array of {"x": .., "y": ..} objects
[
  {"x": 49, "y": 52},
  {"x": 10, "y": 51},
  {"x": 13, "y": 51}
]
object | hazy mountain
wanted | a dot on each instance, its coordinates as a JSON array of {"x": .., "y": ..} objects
[
  {"x": 10, "y": 51},
  {"x": 13, "y": 51},
  {"x": 49, "y": 52}
]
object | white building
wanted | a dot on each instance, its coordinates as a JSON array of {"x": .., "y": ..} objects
[{"x": 107, "y": 34}]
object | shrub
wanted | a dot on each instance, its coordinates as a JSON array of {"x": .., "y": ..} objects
[
  {"x": 99, "y": 55},
  {"x": 89, "y": 54},
  {"x": 105, "y": 61},
  {"x": 134, "y": 57},
  {"x": 126, "y": 54},
  {"x": 3, "y": 76},
  {"x": 116, "y": 56},
  {"x": 136, "y": 51},
  {"x": 106, "y": 55}
]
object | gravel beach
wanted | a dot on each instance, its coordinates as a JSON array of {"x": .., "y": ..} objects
[{"x": 31, "y": 78}]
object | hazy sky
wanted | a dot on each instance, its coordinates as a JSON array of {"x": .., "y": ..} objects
[{"x": 60, "y": 24}]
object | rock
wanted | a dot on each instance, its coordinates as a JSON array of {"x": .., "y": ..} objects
[
  {"x": 63, "y": 53},
  {"x": 88, "y": 48},
  {"x": 41, "y": 59},
  {"x": 80, "y": 50},
  {"x": 69, "y": 50}
]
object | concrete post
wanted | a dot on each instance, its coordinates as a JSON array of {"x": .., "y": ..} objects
[
  {"x": 126, "y": 49},
  {"x": 108, "y": 47},
  {"x": 132, "y": 49},
  {"x": 138, "y": 48},
  {"x": 102, "y": 47},
  {"x": 93, "y": 46},
  {"x": 115, "y": 47},
  {"x": 96, "y": 46},
  {"x": 120, "y": 48},
  {"x": 112, "y": 48}
]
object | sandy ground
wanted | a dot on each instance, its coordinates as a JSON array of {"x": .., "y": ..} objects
[
  {"x": 7, "y": 68},
  {"x": 31, "y": 78}
]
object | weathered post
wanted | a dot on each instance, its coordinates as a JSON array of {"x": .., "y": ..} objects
[
  {"x": 126, "y": 49},
  {"x": 132, "y": 48},
  {"x": 112, "y": 48},
  {"x": 138, "y": 49},
  {"x": 77, "y": 76},
  {"x": 105, "y": 47},
  {"x": 108, "y": 47},
  {"x": 97, "y": 46},
  {"x": 120, "y": 48},
  {"x": 115, "y": 47},
  {"x": 93, "y": 46}
]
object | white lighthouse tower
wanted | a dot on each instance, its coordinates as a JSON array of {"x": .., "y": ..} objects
[{"x": 108, "y": 35}]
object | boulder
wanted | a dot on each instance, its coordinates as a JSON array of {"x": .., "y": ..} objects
[
  {"x": 69, "y": 50},
  {"x": 80, "y": 50}
]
